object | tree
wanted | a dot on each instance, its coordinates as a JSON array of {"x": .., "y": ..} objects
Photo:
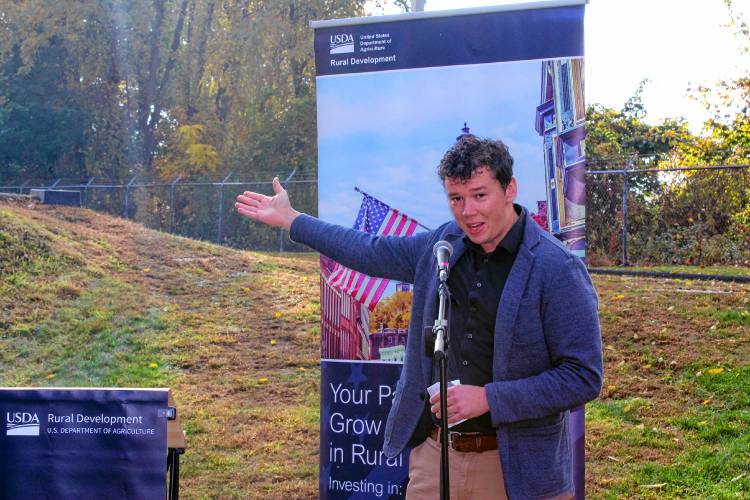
[
  {"x": 393, "y": 312},
  {"x": 622, "y": 140},
  {"x": 42, "y": 124},
  {"x": 718, "y": 201},
  {"x": 125, "y": 80}
]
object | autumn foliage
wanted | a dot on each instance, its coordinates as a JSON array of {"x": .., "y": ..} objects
[{"x": 392, "y": 312}]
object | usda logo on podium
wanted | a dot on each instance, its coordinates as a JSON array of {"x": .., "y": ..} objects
[{"x": 21, "y": 423}]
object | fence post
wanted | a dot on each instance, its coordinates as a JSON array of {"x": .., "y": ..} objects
[
  {"x": 20, "y": 188},
  {"x": 631, "y": 163},
  {"x": 171, "y": 203},
  {"x": 219, "y": 234},
  {"x": 625, "y": 219},
  {"x": 86, "y": 192},
  {"x": 281, "y": 231},
  {"x": 127, "y": 196}
]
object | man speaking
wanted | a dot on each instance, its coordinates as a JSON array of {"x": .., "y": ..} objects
[{"x": 524, "y": 330}]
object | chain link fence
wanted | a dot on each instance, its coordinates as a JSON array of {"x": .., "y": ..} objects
[
  {"x": 202, "y": 209},
  {"x": 636, "y": 215},
  {"x": 697, "y": 216}
]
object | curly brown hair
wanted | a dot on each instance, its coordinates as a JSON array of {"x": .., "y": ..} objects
[{"x": 471, "y": 153}]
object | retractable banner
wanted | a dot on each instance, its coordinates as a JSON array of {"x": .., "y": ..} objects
[
  {"x": 393, "y": 94},
  {"x": 83, "y": 443}
]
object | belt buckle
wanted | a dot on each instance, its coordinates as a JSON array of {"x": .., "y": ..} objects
[
  {"x": 452, "y": 434},
  {"x": 450, "y": 440}
]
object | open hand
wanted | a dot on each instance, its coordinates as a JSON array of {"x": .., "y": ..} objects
[{"x": 275, "y": 210}]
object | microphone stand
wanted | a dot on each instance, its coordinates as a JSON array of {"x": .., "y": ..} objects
[{"x": 440, "y": 329}]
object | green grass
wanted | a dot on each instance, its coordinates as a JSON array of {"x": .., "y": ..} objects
[
  {"x": 729, "y": 386},
  {"x": 616, "y": 410},
  {"x": 673, "y": 420},
  {"x": 713, "y": 461},
  {"x": 718, "y": 465},
  {"x": 737, "y": 317},
  {"x": 102, "y": 338}
]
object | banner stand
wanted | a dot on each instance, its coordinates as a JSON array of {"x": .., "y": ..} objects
[{"x": 391, "y": 94}]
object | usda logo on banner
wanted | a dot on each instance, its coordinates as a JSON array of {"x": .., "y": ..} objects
[
  {"x": 342, "y": 44},
  {"x": 21, "y": 424}
]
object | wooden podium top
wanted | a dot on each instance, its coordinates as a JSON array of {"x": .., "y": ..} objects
[{"x": 175, "y": 435}]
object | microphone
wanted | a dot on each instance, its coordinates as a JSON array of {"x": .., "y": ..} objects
[{"x": 443, "y": 251}]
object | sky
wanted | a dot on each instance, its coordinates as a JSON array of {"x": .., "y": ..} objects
[{"x": 676, "y": 44}]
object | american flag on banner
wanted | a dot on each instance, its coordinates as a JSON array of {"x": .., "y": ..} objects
[{"x": 377, "y": 218}]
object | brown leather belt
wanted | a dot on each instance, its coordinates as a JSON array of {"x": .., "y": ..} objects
[{"x": 467, "y": 441}]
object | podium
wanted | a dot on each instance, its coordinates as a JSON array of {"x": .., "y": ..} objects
[
  {"x": 89, "y": 443},
  {"x": 176, "y": 445}
]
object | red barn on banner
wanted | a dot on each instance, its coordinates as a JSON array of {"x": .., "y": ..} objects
[{"x": 344, "y": 320}]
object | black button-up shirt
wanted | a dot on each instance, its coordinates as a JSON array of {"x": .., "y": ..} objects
[{"x": 476, "y": 284}]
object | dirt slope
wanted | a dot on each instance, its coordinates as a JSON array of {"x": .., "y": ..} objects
[{"x": 235, "y": 333}]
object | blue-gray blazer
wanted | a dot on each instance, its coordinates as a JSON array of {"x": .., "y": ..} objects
[{"x": 547, "y": 344}]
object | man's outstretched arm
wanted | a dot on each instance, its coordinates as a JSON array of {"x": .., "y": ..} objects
[
  {"x": 390, "y": 257},
  {"x": 274, "y": 210}
]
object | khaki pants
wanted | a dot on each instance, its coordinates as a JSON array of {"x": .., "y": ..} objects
[{"x": 473, "y": 476}]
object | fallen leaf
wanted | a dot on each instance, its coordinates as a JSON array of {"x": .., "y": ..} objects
[
  {"x": 153, "y": 365},
  {"x": 146, "y": 269},
  {"x": 273, "y": 341},
  {"x": 653, "y": 486},
  {"x": 277, "y": 314},
  {"x": 618, "y": 297},
  {"x": 262, "y": 380},
  {"x": 715, "y": 371}
]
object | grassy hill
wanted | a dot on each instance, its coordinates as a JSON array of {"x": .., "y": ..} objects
[{"x": 90, "y": 300}]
